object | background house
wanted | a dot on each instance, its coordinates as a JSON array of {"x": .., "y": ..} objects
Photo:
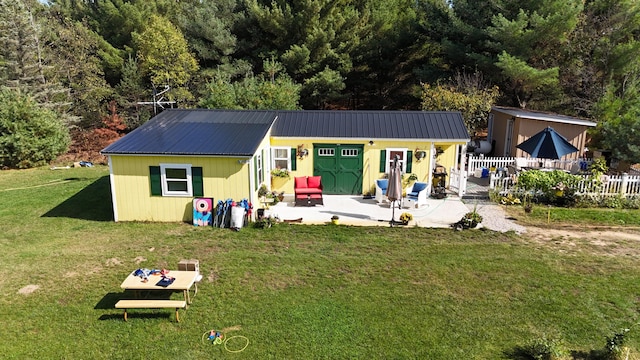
[
  {"x": 157, "y": 169},
  {"x": 509, "y": 127}
]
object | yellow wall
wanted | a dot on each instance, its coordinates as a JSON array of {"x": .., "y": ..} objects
[
  {"x": 371, "y": 160},
  {"x": 223, "y": 178}
]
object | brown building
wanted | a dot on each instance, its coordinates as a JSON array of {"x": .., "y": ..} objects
[{"x": 509, "y": 127}]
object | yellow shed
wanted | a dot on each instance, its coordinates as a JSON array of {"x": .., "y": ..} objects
[{"x": 158, "y": 169}]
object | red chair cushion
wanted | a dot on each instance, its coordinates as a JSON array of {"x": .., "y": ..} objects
[
  {"x": 315, "y": 182},
  {"x": 301, "y": 182},
  {"x": 308, "y": 191}
]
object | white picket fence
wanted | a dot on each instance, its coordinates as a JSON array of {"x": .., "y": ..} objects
[
  {"x": 478, "y": 163},
  {"x": 610, "y": 185}
]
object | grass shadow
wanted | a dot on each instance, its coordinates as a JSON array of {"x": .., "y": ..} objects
[
  {"x": 108, "y": 301},
  {"x": 521, "y": 353},
  {"x": 91, "y": 203}
]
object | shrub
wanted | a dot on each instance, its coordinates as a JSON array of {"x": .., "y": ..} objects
[
  {"x": 614, "y": 346},
  {"x": 550, "y": 187},
  {"x": 544, "y": 349},
  {"x": 29, "y": 135}
]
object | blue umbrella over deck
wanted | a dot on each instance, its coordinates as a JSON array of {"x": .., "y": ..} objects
[{"x": 547, "y": 144}]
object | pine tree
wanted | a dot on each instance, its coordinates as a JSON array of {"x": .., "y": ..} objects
[{"x": 26, "y": 66}]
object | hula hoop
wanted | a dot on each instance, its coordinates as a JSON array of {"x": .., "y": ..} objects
[
  {"x": 233, "y": 337},
  {"x": 205, "y": 335}
]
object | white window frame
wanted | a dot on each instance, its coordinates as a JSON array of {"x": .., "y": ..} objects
[
  {"x": 260, "y": 168},
  {"x": 287, "y": 151},
  {"x": 403, "y": 161},
  {"x": 165, "y": 181}
]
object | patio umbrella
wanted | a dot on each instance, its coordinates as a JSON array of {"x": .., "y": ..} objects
[
  {"x": 547, "y": 144},
  {"x": 394, "y": 189}
]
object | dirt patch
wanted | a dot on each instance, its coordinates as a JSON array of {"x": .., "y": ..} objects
[
  {"x": 595, "y": 240},
  {"x": 70, "y": 274},
  {"x": 113, "y": 262},
  {"x": 28, "y": 289},
  {"x": 139, "y": 259}
]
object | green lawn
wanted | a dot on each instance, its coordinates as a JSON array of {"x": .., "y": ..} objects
[{"x": 295, "y": 291}]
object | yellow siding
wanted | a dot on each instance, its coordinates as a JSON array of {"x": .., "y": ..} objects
[
  {"x": 222, "y": 178},
  {"x": 371, "y": 159}
]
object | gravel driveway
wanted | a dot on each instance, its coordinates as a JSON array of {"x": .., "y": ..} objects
[{"x": 494, "y": 217}]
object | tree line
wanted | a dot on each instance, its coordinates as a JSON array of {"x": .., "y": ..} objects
[{"x": 96, "y": 64}]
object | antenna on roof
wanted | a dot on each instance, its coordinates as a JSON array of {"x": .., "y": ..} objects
[{"x": 158, "y": 100}]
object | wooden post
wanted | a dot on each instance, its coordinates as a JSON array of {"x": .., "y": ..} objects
[{"x": 624, "y": 183}]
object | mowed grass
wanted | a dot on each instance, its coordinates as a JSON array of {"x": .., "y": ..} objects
[{"x": 295, "y": 291}]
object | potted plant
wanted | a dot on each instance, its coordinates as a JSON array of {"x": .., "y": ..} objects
[
  {"x": 527, "y": 204},
  {"x": 280, "y": 173},
  {"x": 405, "y": 217},
  {"x": 469, "y": 221}
]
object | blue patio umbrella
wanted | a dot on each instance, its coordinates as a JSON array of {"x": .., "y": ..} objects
[{"x": 547, "y": 144}]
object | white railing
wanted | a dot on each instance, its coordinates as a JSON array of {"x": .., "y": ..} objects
[
  {"x": 624, "y": 185},
  {"x": 458, "y": 181},
  {"x": 480, "y": 162}
]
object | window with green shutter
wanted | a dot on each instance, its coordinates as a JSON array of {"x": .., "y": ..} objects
[{"x": 176, "y": 180}]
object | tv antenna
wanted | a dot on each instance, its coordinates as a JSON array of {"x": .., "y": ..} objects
[{"x": 158, "y": 100}]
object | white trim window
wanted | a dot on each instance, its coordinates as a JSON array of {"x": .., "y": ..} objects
[
  {"x": 176, "y": 180},
  {"x": 280, "y": 158},
  {"x": 402, "y": 155}
]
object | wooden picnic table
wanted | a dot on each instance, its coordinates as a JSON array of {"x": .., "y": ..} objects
[{"x": 184, "y": 280}]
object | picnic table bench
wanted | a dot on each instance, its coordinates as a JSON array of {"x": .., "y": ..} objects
[{"x": 151, "y": 304}]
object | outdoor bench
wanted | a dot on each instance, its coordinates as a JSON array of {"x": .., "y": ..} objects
[
  {"x": 151, "y": 304},
  {"x": 308, "y": 190}
]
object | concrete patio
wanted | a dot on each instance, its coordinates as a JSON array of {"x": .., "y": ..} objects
[{"x": 355, "y": 210}]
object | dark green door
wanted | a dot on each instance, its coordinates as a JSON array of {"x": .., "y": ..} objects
[{"x": 340, "y": 167}]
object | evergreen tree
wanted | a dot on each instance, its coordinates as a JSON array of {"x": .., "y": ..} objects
[
  {"x": 601, "y": 52},
  {"x": 28, "y": 67},
  {"x": 74, "y": 50},
  {"x": 272, "y": 90},
  {"x": 314, "y": 39},
  {"x": 618, "y": 115}
]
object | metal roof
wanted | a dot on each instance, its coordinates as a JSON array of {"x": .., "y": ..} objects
[
  {"x": 424, "y": 125},
  {"x": 197, "y": 132},
  {"x": 539, "y": 115},
  {"x": 239, "y": 132}
]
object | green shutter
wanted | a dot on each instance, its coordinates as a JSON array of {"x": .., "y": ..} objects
[
  {"x": 255, "y": 172},
  {"x": 196, "y": 181},
  {"x": 156, "y": 181},
  {"x": 383, "y": 160},
  {"x": 294, "y": 155},
  {"x": 409, "y": 161}
]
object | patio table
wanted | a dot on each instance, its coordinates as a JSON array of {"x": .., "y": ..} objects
[{"x": 184, "y": 280}]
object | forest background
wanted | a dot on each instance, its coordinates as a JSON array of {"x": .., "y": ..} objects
[{"x": 81, "y": 73}]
